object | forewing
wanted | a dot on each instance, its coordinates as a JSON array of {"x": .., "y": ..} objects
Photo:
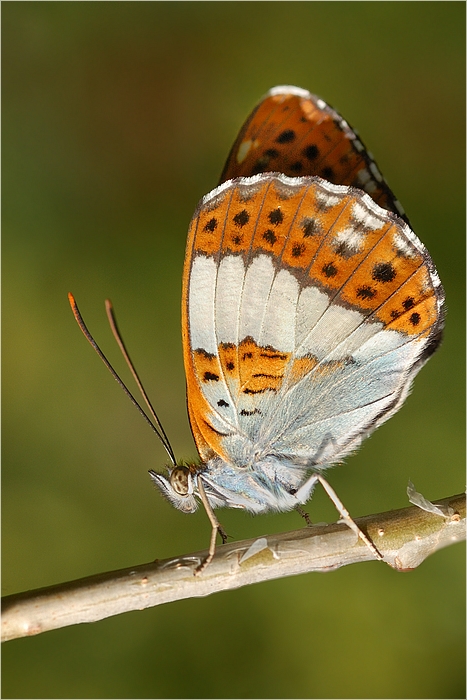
[{"x": 294, "y": 132}]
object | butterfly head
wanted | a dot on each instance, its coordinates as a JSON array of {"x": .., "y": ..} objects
[{"x": 179, "y": 488}]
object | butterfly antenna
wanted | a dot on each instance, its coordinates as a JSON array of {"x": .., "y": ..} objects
[
  {"x": 157, "y": 427},
  {"x": 118, "y": 337}
]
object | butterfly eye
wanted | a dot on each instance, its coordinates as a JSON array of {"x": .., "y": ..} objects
[{"x": 179, "y": 480}]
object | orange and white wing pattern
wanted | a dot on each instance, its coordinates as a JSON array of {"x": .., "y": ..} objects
[
  {"x": 307, "y": 311},
  {"x": 309, "y": 305},
  {"x": 296, "y": 133}
]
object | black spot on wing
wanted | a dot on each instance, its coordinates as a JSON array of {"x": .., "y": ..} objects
[
  {"x": 296, "y": 167},
  {"x": 383, "y": 272},
  {"x": 211, "y": 225},
  {"x": 298, "y": 249},
  {"x": 242, "y": 218},
  {"x": 286, "y": 136},
  {"x": 329, "y": 270},
  {"x": 311, "y": 152},
  {"x": 310, "y": 227},
  {"x": 276, "y": 217},
  {"x": 270, "y": 236},
  {"x": 366, "y": 292}
]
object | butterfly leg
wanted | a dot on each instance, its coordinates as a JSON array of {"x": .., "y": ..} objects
[
  {"x": 304, "y": 515},
  {"x": 216, "y": 528},
  {"x": 305, "y": 491},
  {"x": 345, "y": 516}
]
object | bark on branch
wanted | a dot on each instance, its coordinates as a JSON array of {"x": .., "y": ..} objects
[{"x": 405, "y": 538}]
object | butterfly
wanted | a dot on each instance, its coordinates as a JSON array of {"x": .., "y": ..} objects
[{"x": 308, "y": 307}]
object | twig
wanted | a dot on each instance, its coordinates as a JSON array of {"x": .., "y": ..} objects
[{"x": 404, "y": 537}]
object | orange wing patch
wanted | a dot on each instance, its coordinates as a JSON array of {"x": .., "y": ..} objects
[
  {"x": 412, "y": 309},
  {"x": 307, "y": 232},
  {"x": 208, "y": 440},
  {"x": 309, "y": 364},
  {"x": 209, "y": 223},
  {"x": 296, "y": 133},
  {"x": 380, "y": 274},
  {"x": 206, "y": 366},
  {"x": 260, "y": 369},
  {"x": 241, "y": 220},
  {"x": 342, "y": 252}
]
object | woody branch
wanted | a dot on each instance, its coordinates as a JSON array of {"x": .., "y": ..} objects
[{"x": 404, "y": 537}]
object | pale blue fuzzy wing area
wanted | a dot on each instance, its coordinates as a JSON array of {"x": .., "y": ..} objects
[{"x": 323, "y": 417}]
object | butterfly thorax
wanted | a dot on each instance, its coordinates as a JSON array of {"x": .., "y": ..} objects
[{"x": 270, "y": 483}]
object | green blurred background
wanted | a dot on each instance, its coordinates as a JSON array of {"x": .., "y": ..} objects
[{"x": 117, "y": 118}]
